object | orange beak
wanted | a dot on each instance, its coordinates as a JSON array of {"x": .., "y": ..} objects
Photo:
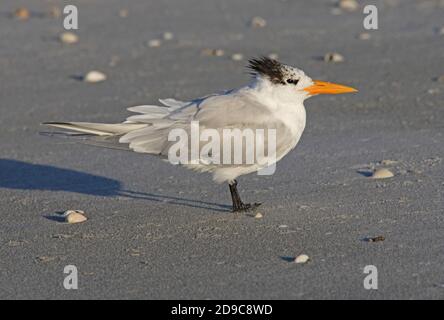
[{"x": 322, "y": 87}]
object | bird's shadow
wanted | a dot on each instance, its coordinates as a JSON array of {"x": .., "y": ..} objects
[{"x": 22, "y": 175}]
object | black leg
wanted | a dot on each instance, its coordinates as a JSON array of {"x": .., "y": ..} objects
[{"x": 238, "y": 205}]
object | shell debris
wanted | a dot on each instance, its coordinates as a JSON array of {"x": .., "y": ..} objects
[
  {"x": 364, "y": 36},
  {"x": 94, "y": 76},
  {"x": 22, "y": 13},
  {"x": 155, "y": 43},
  {"x": 237, "y": 57},
  {"x": 258, "y": 22},
  {"x": 258, "y": 215},
  {"x": 382, "y": 173},
  {"x": 348, "y": 5},
  {"x": 69, "y": 37},
  {"x": 213, "y": 52},
  {"x": 74, "y": 216},
  {"x": 333, "y": 57},
  {"x": 302, "y": 258},
  {"x": 167, "y": 36}
]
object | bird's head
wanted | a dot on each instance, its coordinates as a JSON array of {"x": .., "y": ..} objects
[{"x": 291, "y": 82}]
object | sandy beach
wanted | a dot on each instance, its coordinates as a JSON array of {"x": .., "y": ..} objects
[{"x": 156, "y": 231}]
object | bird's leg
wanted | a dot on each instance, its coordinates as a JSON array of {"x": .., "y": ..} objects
[{"x": 238, "y": 205}]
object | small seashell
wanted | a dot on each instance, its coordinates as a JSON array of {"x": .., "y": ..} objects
[
  {"x": 258, "y": 216},
  {"x": 123, "y": 13},
  {"x": 155, "y": 43},
  {"x": 258, "y": 22},
  {"x": 68, "y": 37},
  {"x": 237, "y": 57},
  {"x": 333, "y": 57},
  {"x": 349, "y": 5},
  {"x": 213, "y": 52},
  {"x": 273, "y": 56},
  {"x": 364, "y": 36},
  {"x": 94, "y": 76},
  {"x": 22, "y": 13},
  {"x": 168, "y": 36},
  {"x": 303, "y": 258},
  {"x": 382, "y": 174},
  {"x": 74, "y": 216}
]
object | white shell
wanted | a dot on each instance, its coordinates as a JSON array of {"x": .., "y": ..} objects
[
  {"x": 382, "y": 174},
  {"x": 258, "y": 22},
  {"x": 155, "y": 43},
  {"x": 258, "y": 215},
  {"x": 349, "y": 5},
  {"x": 69, "y": 37},
  {"x": 333, "y": 57},
  {"x": 94, "y": 76},
  {"x": 303, "y": 258},
  {"x": 364, "y": 36},
  {"x": 168, "y": 36},
  {"x": 237, "y": 57},
  {"x": 74, "y": 216}
]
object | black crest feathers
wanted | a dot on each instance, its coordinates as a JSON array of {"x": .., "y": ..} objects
[{"x": 270, "y": 68}]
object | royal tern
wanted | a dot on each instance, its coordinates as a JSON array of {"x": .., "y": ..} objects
[{"x": 273, "y": 100}]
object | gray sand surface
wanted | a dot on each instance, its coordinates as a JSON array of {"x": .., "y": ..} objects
[{"x": 156, "y": 231}]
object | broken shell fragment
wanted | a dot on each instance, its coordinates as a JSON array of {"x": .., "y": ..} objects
[
  {"x": 237, "y": 57},
  {"x": 348, "y": 5},
  {"x": 303, "y": 258},
  {"x": 155, "y": 43},
  {"x": 68, "y": 37},
  {"x": 382, "y": 174},
  {"x": 333, "y": 57},
  {"x": 94, "y": 76},
  {"x": 375, "y": 239},
  {"x": 364, "y": 36},
  {"x": 22, "y": 13},
  {"x": 168, "y": 36},
  {"x": 74, "y": 216},
  {"x": 213, "y": 52},
  {"x": 258, "y": 216},
  {"x": 258, "y": 22}
]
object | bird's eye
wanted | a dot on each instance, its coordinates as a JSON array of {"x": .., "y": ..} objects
[{"x": 293, "y": 81}]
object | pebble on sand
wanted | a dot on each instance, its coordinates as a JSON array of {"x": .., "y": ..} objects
[
  {"x": 237, "y": 57},
  {"x": 74, "y": 216},
  {"x": 22, "y": 13},
  {"x": 303, "y": 258},
  {"x": 69, "y": 37},
  {"x": 333, "y": 57},
  {"x": 155, "y": 43},
  {"x": 213, "y": 52},
  {"x": 94, "y": 76},
  {"x": 382, "y": 174},
  {"x": 258, "y": 22},
  {"x": 167, "y": 36},
  {"x": 348, "y": 5}
]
